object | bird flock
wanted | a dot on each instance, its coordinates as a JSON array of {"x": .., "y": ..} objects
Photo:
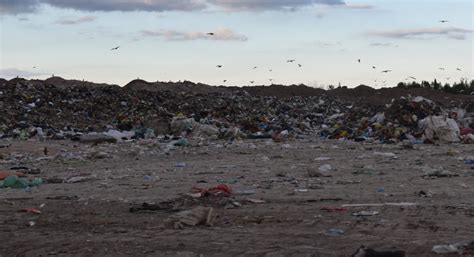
[
  {"x": 299, "y": 65},
  {"x": 409, "y": 77}
]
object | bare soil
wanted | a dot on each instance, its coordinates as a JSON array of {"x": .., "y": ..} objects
[{"x": 93, "y": 218}]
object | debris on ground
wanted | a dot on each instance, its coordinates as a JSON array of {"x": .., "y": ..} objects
[
  {"x": 364, "y": 251},
  {"x": 197, "y": 216},
  {"x": 452, "y": 248},
  {"x": 334, "y": 232},
  {"x": 365, "y": 213},
  {"x": 221, "y": 189},
  {"x": 20, "y": 182},
  {"x": 5, "y": 174}
]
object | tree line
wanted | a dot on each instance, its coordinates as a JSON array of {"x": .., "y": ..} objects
[{"x": 464, "y": 86}]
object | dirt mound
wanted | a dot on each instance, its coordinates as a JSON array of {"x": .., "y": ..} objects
[
  {"x": 64, "y": 83},
  {"x": 283, "y": 91},
  {"x": 177, "y": 87},
  {"x": 364, "y": 94}
]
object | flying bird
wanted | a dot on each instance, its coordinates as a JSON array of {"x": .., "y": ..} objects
[
  {"x": 373, "y": 67},
  {"x": 358, "y": 60},
  {"x": 443, "y": 21},
  {"x": 458, "y": 69},
  {"x": 448, "y": 78},
  {"x": 210, "y": 33},
  {"x": 386, "y": 71},
  {"x": 115, "y": 48},
  {"x": 292, "y": 60},
  {"x": 442, "y": 69},
  {"x": 34, "y": 67},
  {"x": 251, "y": 82},
  {"x": 225, "y": 80},
  {"x": 299, "y": 65},
  {"x": 412, "y": 78},
  {"x": 254, "y": 68},
  {"x": 219, "y": 66},
  {"x": 270, "y": 70},
  {"x": 270, "y": 80}
]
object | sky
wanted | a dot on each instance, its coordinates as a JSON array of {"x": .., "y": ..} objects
[{"x": 168, "y": 40}]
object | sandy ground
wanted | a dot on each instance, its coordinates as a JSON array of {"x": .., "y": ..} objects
[{"x": 93, "y": 218}]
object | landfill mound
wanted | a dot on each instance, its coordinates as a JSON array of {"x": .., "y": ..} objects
[
  {"x": 59, "y": 108},
  {"x": 178, "y": 87}
]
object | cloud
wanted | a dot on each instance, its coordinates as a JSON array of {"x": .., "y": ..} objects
[
  {"x": 24, "y": 6},
  {"x": 255, "y": 5},
  {"x": 79, "y": 20},
  {"x": 221, "y": 34},
  {"x": 420, "y": 33},
  {"x": 13, "y": 72},
  {"x": 359, "y": 6},
  {"x": 127, "y": 5},
  {"x": 17, "y": 6},
  {"x": 328, "y": 44},
  {"x": 381, "y": 44}
]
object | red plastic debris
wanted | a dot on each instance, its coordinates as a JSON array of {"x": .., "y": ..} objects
[
  {"x": 465, "y": 131},
  {"x": 221, "y": 189},
  {"x": 31, "y": 210},
  {"x": 4, "y": 174}
]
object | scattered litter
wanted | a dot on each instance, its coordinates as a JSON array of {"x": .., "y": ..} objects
[
  {"x": 424, "y": 194},
  {"x": 301, "y": 190},
  {"x": 26, "y": 170},
  {"x": 379, "y": 204},
  {"x": 365, "y": 213},
  {"x": 245, "y": 192},
  {"x": 325, "y": 168},
  {"x": 334, "y": 232},
  {"x": 251, "y": 200},
  {"x": 193, "y": 217},
  {"x": 77, "y": 179},
  {"x": 152, "y": 207},
  {"x": 333, "y": 209},
  {"x": 181, "y": 142},
  {"x": 31, "y": 210},
  {"x": 221, "y": 189},
  {"x": 450, "y": 248},
  {"x": 20, "y": 182},
  {"x": 316, "y": 174},
  {"x": 5, "y": 174},
  {"x": 180, "y": 165},
  {"x": 97, "y": 138},
  {"x": 444, "y": 129},
  {"x": 367, "y": 170},
  {"x": 364, "y": 251},
  {"x": 434, "y": 173},
  {"x": 321, "y": 159}
]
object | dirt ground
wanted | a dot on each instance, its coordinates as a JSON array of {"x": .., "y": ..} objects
[{"x": 93, "y": 218}]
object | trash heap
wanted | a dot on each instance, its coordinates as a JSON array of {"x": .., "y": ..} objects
[
  {"x": 415, "y": 119},
  {"x": 112, "y": 114}
]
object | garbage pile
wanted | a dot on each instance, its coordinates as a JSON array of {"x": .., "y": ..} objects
[
  {"x": 414, "y": 119},
  {"x": 113, "y": 114}
]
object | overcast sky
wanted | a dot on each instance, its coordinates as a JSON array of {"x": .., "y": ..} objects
[{"x": 167, "y": 40}]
